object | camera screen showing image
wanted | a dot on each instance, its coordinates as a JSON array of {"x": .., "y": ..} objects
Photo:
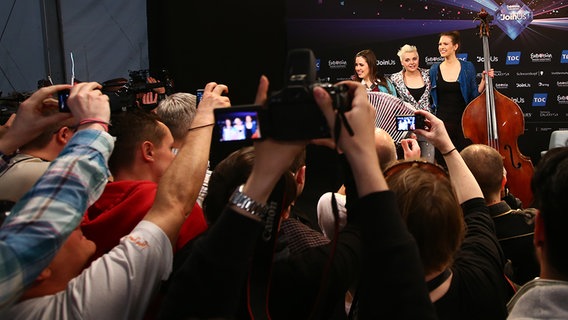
[
  {"x": 238, "y": 123},
  {"x": 409, "y": 122},
  {"x": 62, "y": 98}
]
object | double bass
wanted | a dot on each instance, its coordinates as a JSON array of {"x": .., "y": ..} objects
[{"x": 496, "y": 120}]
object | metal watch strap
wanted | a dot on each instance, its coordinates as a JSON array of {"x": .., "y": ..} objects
[{"x": 242, "y": 201}]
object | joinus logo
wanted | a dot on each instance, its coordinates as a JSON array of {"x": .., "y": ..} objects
[{"x": 513, "y": 18}]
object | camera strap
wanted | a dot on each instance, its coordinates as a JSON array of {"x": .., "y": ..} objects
[
  {"x": 340, "y": 120},
  {"x": 260, "y": 273}
]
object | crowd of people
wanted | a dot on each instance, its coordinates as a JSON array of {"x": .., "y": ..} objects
[{"x": 118, "y": 215}]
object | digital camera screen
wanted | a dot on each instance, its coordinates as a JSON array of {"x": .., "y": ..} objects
[
  {"x": 405, "y": 123},
  {"x": 235, "y": 125}
]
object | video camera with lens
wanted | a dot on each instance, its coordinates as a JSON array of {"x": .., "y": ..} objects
[
  {"x": 290, "y": 113},
  {"x": 123, "y": 93}
]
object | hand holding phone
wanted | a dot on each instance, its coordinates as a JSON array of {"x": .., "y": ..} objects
[{"x": 62, "y": 99}]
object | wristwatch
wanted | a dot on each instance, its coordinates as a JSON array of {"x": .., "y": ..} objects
[{"x": 244, "y": 202}]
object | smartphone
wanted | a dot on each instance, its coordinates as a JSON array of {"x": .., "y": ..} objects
[
  {"x": 62, "y": 98},
  {"x": 409, "y": 122},
  {"x": 240, "y": 123},
  {"x": 199, "y": 95}
]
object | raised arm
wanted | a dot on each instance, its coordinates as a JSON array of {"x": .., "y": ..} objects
[
  {"x": 43, "y": 219},
  {"x": 179, "y": 187},
  {"x": 31, "y": 120},
  {"x": 464, "y": 182}
]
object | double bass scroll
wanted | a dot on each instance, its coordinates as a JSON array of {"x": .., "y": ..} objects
[{"x": 497, "y": 121}]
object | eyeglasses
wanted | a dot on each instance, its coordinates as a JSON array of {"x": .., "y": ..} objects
[{"x": 433, "y": 168}]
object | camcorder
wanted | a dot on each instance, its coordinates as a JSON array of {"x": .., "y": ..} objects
[
  {"x": 409, "y": 122},
  {"x": 290, "y": 113},
  {"x": 123, "y": 92}
]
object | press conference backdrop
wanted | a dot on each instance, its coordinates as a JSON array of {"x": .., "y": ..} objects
[{"x": 527, "y": 45}]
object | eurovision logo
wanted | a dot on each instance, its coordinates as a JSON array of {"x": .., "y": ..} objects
[{"x": 513, "y": 18}]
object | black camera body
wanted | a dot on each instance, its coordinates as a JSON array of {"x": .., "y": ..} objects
[
  {"x": 122, "y": 92},
  {"x": 292, "y": 113}
]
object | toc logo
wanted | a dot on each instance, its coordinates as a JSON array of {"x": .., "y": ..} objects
[
  {"x": 513, "y": 57},
  {"x": 462, "y": 56},
  {"x": 564, "y": 56},
  {"x": 539, "y": 99}
]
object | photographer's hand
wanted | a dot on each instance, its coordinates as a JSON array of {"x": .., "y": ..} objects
[
  {"x": 212, "y": 98},
  {"x": 360, "y": 147},
  {"x": 262, "y": 91},
  {"x": 272, "y": 158},
  {"x": 436, "y": 132},
  {"x": 462, "y": 179},
  {"x": 411, "y": 148},
  {"x": 160, "y": 90},
  {"x": 31, "y": 118},
  {"x": 149, "y": 100},
  {"x": 4, "y": 127},
  {"x": 89, "y": 106}
]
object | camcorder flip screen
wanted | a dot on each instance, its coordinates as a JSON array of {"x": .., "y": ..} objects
[{"x": 238, "y": 123}]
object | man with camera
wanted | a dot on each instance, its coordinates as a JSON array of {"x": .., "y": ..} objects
[
  {"x": 220, "y": 262},
  {"x": 46, "y": 217},
  {"x": 121, "y": 283}
]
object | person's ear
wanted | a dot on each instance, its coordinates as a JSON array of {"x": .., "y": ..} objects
[
  {"x": 63, "y": 135},
  {"x": 44, "y": 275},
  {"x": 539, "y": 237},
  {"x": 301, "y": 176},
  {"x": 147, "y": 150}
]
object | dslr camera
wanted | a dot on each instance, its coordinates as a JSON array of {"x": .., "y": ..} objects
[{"x": 290, "y": 113}]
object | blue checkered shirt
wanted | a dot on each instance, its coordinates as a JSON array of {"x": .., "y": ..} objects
[{"x": 47, "y": 214}]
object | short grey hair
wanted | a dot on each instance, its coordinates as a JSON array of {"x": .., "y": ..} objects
[
  {"x": 406, "y": 49},
  {"x": 177, "y": 111}
]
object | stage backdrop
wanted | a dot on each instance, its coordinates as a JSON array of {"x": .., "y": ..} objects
[{"x": 527, "y": 44}]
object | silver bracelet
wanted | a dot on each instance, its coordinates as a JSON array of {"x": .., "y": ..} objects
[{"x": 244, "y": 202}]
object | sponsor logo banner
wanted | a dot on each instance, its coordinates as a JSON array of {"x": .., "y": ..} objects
[
  {"x": 541, "y": 57},
  {"x": 562, "y": 99},
  {"x": 513, "y": 58},
  {"x": 337, "y": 64},
  {"x": 513, "y": 18},
  {"x": 539, "y": 99},
  {"x": 501, "y": 86},
  {"x": 564, "y": 56},
  {"x": 462, "y": 56},
  {"x": 431, "y": 60}
]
